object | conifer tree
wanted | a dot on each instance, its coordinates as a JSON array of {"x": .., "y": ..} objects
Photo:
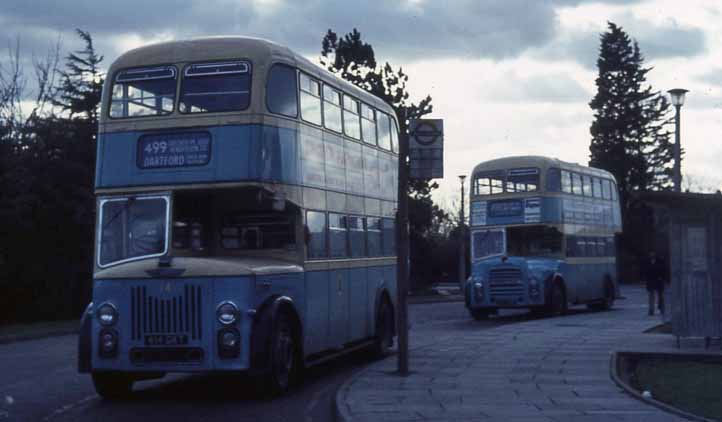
[
  {"x": 82, "y": 81},
  {"x": 629, "y": 132}
]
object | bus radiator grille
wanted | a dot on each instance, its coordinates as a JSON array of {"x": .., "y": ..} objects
[
  {"x": 505, "y": 281},
  {"x": 165, "y": 314}
]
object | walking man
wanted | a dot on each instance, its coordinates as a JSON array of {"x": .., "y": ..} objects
[{"x": 655, "y": 275}]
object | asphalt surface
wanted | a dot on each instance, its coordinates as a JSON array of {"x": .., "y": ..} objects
[{"x": 39, "y": 382}]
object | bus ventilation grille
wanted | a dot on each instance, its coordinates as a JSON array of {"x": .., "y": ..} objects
[{"x": 165, "y": 314}]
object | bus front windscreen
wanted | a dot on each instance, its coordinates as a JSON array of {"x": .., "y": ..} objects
[
  {"x": 534, "y": 241},
  {"x": 132, "y": 228},
  {"x": 487, "y": 242}
]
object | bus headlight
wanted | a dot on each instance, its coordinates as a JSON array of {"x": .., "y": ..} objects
[
  {"x": 107, "y": 314},
  {"x": 227, "y": 313},
  {"x": 478, "y": 286}
]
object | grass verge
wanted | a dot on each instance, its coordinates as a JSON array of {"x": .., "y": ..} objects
[{"x": 693, "y": 386}]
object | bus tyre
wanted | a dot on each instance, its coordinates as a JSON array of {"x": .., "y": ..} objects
[
  {"x": 608, "y": 301},
  {"x": 284, "y": 362},
  {"x": 558, "y": 300},
  {"x": 384, "y": 330},
  {"x": 112, "y": 385},
  {"x": 479, "y": 314}
]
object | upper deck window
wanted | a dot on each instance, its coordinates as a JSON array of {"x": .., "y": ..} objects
[
  {"x": 566, "y": 182},
  {"x": 522, "y": 180},
  {"x": 282, "y": 90},
  {"x": 506, "y": 181},
  {"x": 577, "y": 184},
  {"x": 141, "y": 92},
  {"x": 597, "y": 182},
  {"x": 368, "y": 126},
  {"x": 384, "y": 130},
  {"x": 332, "y": 109},
  {"x": 310, "y": 99},
  {"x": 489, "y": 183},
  {"x": 587, "y": 185},
  {"x": 351, "y": 118},
  {"x": 216, "y": 87},
  {"x": 394, "y": 136}
]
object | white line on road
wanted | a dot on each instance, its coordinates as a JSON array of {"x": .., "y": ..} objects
[{"x": 68, "y": 407}]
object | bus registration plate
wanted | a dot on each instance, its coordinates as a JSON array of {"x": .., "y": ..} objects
[
  {"x": 166, "y": 340},
  {"x": 174, "y": 150}
]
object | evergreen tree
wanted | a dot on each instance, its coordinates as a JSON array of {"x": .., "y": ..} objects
[
  {"x": 629, "y": 135},
  {"x": 82, "y": 81},
  {"x": 354, "y": 60}
]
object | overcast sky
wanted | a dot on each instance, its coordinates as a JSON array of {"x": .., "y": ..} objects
[{"x": 509, "y": 77}]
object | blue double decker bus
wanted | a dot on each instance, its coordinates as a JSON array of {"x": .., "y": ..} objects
[
  {"x": 245, "y": 216},
  {"x": 542, "y": 236}
]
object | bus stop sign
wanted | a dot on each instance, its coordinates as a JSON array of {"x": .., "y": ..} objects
[{"x": 426, "y": 149}]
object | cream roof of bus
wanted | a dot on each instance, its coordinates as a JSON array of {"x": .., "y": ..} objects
[
  {"x": 540, "y": 162},
  {"x": 262, "y": 53}
]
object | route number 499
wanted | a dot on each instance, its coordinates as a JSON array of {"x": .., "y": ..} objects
[{"x": 156, "y": 147}]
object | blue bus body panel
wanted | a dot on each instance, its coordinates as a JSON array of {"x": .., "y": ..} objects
[
  {"x": 334, "y": 306},
  {"x": 238, "y": 153},
  {"x": 148, "y": 304},
  {"x": 359, "y": 278},
  {"x": 316, "y": 329}
]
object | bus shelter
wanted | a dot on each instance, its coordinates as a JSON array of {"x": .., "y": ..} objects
[{"x": 692, "y": 224}]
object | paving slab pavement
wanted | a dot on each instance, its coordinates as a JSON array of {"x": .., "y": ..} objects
[{"x": 551, "y": 369}]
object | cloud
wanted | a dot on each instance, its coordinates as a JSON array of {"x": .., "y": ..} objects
[
  {"x": 657, "y": 41},
  {"x": 712, "y": 77},
  {"x": 407, "y": 30}
]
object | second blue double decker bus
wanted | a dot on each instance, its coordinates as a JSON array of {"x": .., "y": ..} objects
[{"x": 542, "y": 236}]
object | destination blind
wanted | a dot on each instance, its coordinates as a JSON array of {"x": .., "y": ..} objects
[{"x": 174, "y": 150}]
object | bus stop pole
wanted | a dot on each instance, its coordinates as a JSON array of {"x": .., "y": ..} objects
[{"x": 402, "y": 246}]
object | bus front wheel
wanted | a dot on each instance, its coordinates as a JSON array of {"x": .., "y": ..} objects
[
  {"x": 112, "y": 385},
  {"x": 284, "y": 362},
  {"x": 479, "y": 314}
]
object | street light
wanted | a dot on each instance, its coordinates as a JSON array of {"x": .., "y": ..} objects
[
  {"x": 462, "y": 247},
  {"x": 677, "y": 96}
]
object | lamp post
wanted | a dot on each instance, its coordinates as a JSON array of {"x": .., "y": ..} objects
[
  {"x": 677, "y": 96},
  {"x": 462, "y": 246}
]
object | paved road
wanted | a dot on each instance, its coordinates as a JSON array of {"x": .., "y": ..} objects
[{"x": 39, "y": 382}]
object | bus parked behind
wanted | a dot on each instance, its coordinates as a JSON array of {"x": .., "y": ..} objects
[{"x": 542, "y": 236}]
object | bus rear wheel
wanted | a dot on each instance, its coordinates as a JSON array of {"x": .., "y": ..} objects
[
  {"x": 558, "y": 300},
  {"x": 608, "y": 301},
  {"x": 284, "y": 361},
  {"x": 384, "y": 330},
  {"x": 112, "y": 385}
]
